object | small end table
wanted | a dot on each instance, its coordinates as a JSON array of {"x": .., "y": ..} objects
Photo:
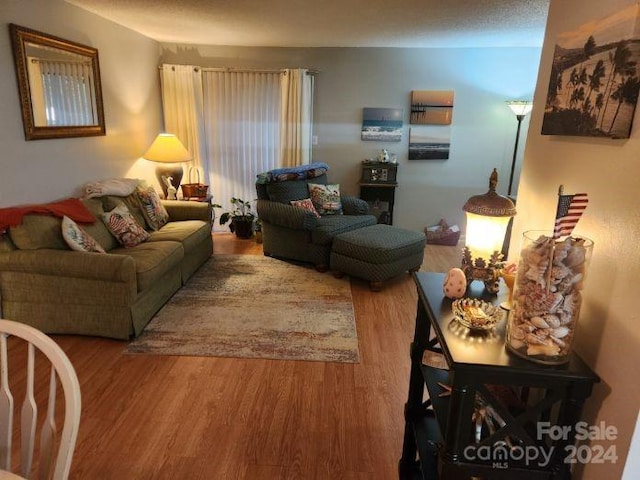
[{"x": 475, "y": 377}]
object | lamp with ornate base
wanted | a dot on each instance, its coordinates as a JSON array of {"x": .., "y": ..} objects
[
  {"x": 169, "y": 151},
  {"x": 487, "y": 219}
]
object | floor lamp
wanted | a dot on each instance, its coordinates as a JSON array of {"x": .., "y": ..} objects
[{"x": 520, "y": 108}]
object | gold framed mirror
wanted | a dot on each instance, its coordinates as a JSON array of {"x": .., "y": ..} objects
[{"x": 59, "y": 85}]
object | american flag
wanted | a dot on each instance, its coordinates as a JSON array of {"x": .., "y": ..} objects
[{"x": 570, "y": 208}]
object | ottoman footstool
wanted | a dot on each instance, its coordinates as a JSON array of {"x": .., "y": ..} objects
[{"x": 377, "y": 253}]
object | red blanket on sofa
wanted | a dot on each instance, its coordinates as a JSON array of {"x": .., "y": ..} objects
[{"x": 71, "y": 207}]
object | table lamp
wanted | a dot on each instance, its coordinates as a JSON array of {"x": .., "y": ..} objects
[
  {"x": 169, "y": 152},
  {"x": 487, "y": 219}
]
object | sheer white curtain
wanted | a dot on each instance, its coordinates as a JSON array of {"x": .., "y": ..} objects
[
  {"x": 182, "y": 103},
  {"x": 65, "y": 89},
  {"x": 242, "y": 112},
  {"x": 296, "y": 112}
]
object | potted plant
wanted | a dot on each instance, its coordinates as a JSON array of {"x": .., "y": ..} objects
[{"x": 241, "y": 217}]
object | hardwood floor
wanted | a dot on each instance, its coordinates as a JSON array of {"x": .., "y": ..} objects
[{"x": 155, "y": 417}]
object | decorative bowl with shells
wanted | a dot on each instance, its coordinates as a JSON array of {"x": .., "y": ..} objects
[{"x": 476, "y": 314}]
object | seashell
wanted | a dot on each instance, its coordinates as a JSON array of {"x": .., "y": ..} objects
[
  {"x": 518, "y": 333},
  {"x": 561, "y": 252},
  {"x": 558, "y": 342},
  {"x": 560, "y": 332},
  {"x": 557, "y": 301},
  {"x": 516, "y": 343},
  {"x": 576, "y": 281},
  {"x": 549, "y": 350},
  {"x": 532, "y": 338},
  {"x": 528, "y": 327},
  {"x": 552, "y": 320},
  {"x": 539, "y": 322},
  {"x": 576, "y": 256},
  {"x": 558, "y": 272},
  {"x": 455, "y": 284},
  {"x": 565, "y": 318}
]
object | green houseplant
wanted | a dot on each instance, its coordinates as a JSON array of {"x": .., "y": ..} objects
[{"x": 241, "y": 217}]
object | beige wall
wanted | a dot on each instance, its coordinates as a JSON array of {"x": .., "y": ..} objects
[
  {"x": 609, "y": 332},
  {"x": 348, "y": 79},
  {"x": 45, "y": 170}
]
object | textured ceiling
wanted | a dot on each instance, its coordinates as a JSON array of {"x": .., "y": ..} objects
[{"x": 332, "y": 23}]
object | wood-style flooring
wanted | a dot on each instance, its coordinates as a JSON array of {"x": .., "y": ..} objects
[{"x": 155, "y": 417}]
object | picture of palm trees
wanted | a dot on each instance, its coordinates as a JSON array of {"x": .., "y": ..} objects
[{"x": 594, "y": 84}]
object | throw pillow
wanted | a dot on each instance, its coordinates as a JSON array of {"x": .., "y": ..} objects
[
  {"x": 124, "y": 227},
  {"x": 326, "y": 198},
  {"x": 154, "y": 212},
  {"x": 305, "y": 204},
  {"x": 77, "y": 238}
]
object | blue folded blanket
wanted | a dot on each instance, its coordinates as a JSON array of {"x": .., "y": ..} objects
[{"x": 300, "y": 172}]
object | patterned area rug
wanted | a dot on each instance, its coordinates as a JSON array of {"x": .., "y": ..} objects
[{"x": 253, "y": 306}]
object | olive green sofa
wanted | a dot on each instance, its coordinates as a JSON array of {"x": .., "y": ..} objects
[{"x": 57, "y": 290}]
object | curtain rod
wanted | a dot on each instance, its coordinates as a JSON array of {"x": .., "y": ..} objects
[{"x": 243, "y": 70}]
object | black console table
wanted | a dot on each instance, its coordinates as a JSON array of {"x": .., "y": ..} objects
[{"x": 488, "y": 412}]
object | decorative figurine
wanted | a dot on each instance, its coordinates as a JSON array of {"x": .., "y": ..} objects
[
  {"x": 171, "y": 190},
  {"x": 455, "y": 284},
  {"x": 383, "y": 156}
]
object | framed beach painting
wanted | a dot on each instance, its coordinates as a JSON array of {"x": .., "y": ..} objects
[
  {"x": 594, "y": 84},
  {"x": 429, "y": 143},
  {"x": 431, "y": 107},
  {"x": 382, "y": 124}
]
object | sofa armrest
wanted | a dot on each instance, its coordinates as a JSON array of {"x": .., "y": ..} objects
[
  {"x": 186, "y": 210},
  {"x": 286, "y": 216},
  {"x": 68, "y": 263},
  {"x": 354, "y": 206}
]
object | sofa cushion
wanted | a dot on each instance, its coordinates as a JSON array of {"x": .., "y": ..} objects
[
  {"x": 152, "y": 209},
  {"x": 153, "y": 260},
  {"x": 98, "y": 230},
  {"x": 331, "y": 225},
  {"x": 78, "y": 239},
  {"x": 306, "y": 204},
  {"x": 38, "y": 231},
  {"x": 132, "y": 202},
  {"x": 326, "y": 198},
  {"x": 124, "y": 227},
  {"x": 188, "y": 232}
]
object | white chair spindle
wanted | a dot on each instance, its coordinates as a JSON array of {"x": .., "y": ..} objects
[
  {"x": 6, "y": 407},
  {"x": 29, "y": 416},
  {"x": 49, "y": 431}
]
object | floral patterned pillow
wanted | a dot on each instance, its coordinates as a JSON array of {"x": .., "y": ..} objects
[
  {"x": 306, "y": 204},
  {"x": 154, "y": 212},
  {"x": 77, "y": 238},
  {"x": 124, "y": 227},
  {"x": 326, "y": 198}
]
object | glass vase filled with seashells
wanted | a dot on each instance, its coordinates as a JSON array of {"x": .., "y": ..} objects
[{"x": 547, "y": 296}]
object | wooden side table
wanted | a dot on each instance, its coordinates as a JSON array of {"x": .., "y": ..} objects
[{"x": 469, "y": 376}]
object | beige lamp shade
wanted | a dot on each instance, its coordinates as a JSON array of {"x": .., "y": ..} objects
[
  {"x": 520, "y": 107},
  {"x": 167, "y": 148}
]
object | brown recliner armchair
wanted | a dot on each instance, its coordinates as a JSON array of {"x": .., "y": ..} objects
[{"x": 293, "y": 233}]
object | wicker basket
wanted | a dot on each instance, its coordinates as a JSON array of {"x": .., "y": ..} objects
[
  {"x": 194, "y": 190},
  {"x": 442, "y": 234}
]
